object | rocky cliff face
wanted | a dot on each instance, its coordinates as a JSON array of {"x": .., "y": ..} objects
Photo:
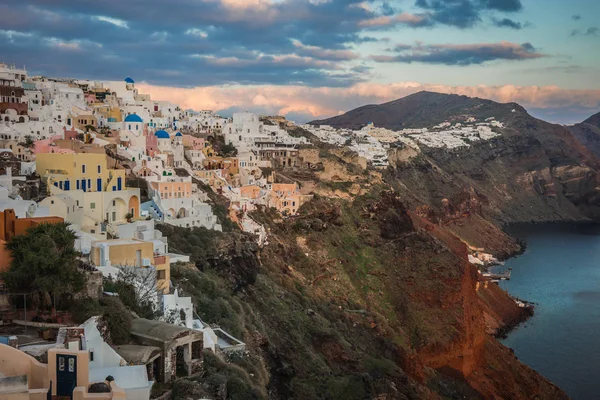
[{"x": 355, "y": 299}]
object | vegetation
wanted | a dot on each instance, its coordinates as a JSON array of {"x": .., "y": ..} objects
[
  {"x": 28, "y": 143},
  {"x": 111, "y": 310},
  {"x": 44, "y": 263},
  {"x": 136, "y": 288},
  {"x": 228, "y": 150}
]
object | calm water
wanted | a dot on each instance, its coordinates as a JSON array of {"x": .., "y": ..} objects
[{"x": 560, "y": 271}]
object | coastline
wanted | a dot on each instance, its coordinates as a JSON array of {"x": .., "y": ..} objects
[{"x": 513, "y": 230}]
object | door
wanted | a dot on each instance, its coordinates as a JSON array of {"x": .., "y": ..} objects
[
  {"x": 84, "y": 185},
  {"x": 99, "y": 184},
  {"x": 138, "y": 258},
  {"x": 66, "y": 374}
]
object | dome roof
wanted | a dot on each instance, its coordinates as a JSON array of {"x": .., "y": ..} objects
[
  {"x": 133, "y": 118},
  {"x": 162, "y": 134},
  {"x": 129, "y": 80},
  {"x": 178, "y": 134}
]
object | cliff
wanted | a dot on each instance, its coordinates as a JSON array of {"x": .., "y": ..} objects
[{"x": 367, "y": 293}]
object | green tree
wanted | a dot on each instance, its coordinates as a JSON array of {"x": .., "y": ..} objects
[
  {"x": 28, "y": 143},
  {"x": 44, "y": 262},
  {"x": 228, "y": 150}
]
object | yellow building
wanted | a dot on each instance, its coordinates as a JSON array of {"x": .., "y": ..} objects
[
  {"x": 131, "y": 252},
  {"x": 81, "y": 121},
  {"x": 86, "y": 178},
  {"x": 79, "y": 171}
]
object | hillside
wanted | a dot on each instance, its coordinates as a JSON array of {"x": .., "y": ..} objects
[
  {"x": 367, "y": 292},
  {"x": 419, "y": 110},
  {"x": 593, "y": 120},
  {"x": 588, "y": 133}
]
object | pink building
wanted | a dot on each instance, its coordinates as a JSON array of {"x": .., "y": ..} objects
[
  {"x": 91, "y": 98},
  {"x": 151, "y": 144},
  {"x": 70, "y": 134},
  {"x": 48, "y": 146},
  {"x": 193, "y": 142}
]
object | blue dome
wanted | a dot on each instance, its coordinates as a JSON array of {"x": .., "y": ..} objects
[
  {"x": 162, "y": 134},
  {"x": 178, "y": 134},
  {"x": 129, "y": 80},
  {"x": 133, "y": 118}
]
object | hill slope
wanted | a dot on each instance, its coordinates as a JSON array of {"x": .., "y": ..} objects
[
  {"x": 419, "y": 110},
  {"x": 588, "y": 133},
  {"x": 593, "y": 120}
]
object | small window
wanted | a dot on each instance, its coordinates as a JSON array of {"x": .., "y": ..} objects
[
  {"x": 99, "y": 168},
  {"x": 114, "y": 203},
  {"x": 161, "y": 274},
  {"x": 83, "y": 169},
  {"x": 92, "y": 205}
]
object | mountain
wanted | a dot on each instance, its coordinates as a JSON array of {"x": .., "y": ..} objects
[
  {"x": 593, "y": 120},
  {"x": 588, "y": 133},
  {"x": 422, "y": 109}
]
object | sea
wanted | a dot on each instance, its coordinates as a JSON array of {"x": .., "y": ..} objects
[{"x": 560, "y": 273}]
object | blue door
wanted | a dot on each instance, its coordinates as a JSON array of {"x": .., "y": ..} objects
[
  {"x": 66, "y": 374},
  {"x": 99, "y": 185},
  {"x": 67, "y": 185},
  {"x": 84, "y": 185},
  {"x": 119, "y": 183}
]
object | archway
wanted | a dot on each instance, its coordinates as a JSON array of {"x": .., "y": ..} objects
[
  {"x": 116, "y": 210},
  {"x": 171, "y": 213},
  {"x": 134, "y": 206},
  {"x": 181, "y": 213},
  {"x": 21, "y": 119}
]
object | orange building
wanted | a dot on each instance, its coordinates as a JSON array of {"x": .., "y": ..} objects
[
  {"x": 11, "y": 226},
  {"x": 250, "y": 192},
  {"x": 173, "y": 188}
]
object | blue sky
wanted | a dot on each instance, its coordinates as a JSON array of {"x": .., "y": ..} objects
[{"x": 341, "y": 53}]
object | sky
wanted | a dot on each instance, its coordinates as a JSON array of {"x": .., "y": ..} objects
[{"x": 309, "y": 59}]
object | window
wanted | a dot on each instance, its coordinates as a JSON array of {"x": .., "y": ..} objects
[
  {"x": 51, "y": 201},
  {"x": 83, "y": 169},
  {"x": 161, "y": 274},
  {"x": 114, "y": 203},
  {"x": 99, "y": 168},
  {"x": 92, "y": 206}
]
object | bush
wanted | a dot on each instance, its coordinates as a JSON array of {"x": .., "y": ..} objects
[
  {"x": 111, "y": 310},
  {"x": 117, "y": 318}
]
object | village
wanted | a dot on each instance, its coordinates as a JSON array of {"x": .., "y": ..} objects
[{"x": 111, "y": 165}]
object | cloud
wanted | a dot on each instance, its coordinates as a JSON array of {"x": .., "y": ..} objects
[
  {"x": 324, "y": 54},
  {"x": 465, "y": 13},
  {"x": 414, "y": 20},
  {"x": 591, "y": 31},
  {"x": 509, "y": 23},
  {"x": 137, "y": 42},
  {"x": 461, "y": 54},
  {"x": 316, "y": 103}
]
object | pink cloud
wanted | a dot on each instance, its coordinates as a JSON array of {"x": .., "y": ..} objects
[
  {"x": 324, "y": 101},
  {"x": 403, "y": 19}
]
